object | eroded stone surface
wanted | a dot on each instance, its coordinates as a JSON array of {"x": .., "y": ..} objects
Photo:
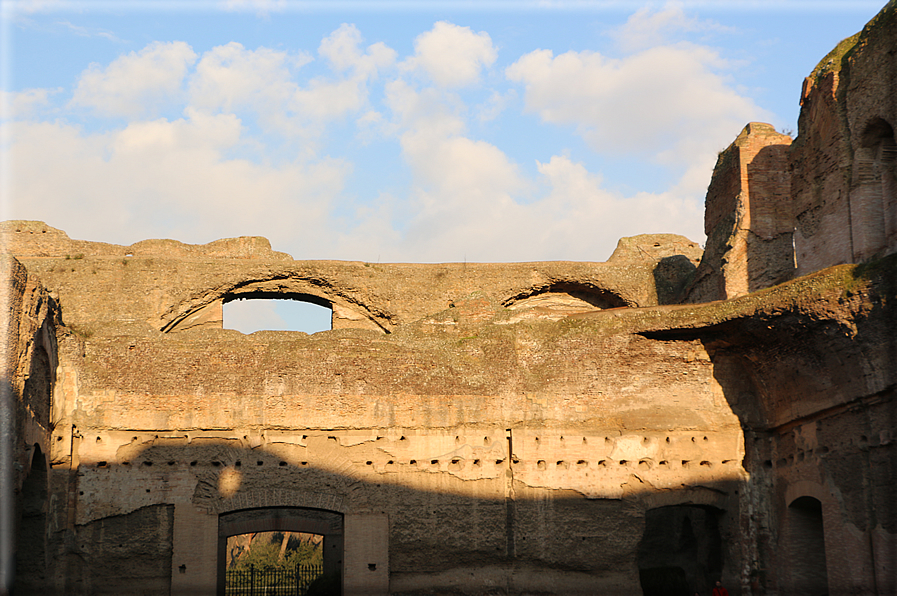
[{"x": 532, "y": 428}]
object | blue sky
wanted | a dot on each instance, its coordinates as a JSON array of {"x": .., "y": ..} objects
[{"x": 402, "y": 131}]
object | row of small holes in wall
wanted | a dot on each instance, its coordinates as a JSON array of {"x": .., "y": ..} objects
[
  {"x": 194, "y": 463},
  {"x": 610, "y": 440},
  {"x": 801, "y": 455},
  {"x": 542, "y": 464},
  {"x": 488, "y": 440}
]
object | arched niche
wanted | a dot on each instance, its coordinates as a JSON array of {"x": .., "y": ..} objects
[
  {"x": 558, "y": 300},
  {"x": 873, "y": 195},
  {"x": 804, "y": 548}
]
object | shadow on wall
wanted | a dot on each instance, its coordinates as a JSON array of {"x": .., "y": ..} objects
[
  {"x": 672, "y": 277},
  {"x": 492, "y": 535},
  {"x": 811, "y": 418}
]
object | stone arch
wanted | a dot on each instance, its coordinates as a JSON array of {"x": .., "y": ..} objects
[
  {"x": 326, "y": 523},
  {"x": 697, "y": 496},
  {"x": 560, "y": 299},
  {"x": 261, "y": 499},
  {"x": 804, "y": 488},
  {"x": 873, "y": 203},
  {"x": 206, "y": 310}
]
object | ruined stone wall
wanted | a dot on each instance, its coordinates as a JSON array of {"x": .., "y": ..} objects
[
  {"x": 818, "y": 409},
  {"x": 551, "y": 428},
  {"x": 513, "y": 454},
  {"x": 494, "y": 443},
  {"x": 747, "y": 218},
  {"x": 835, "y": 188},
  {"x": 844, "y": 159},
  {"x": 29, "y": 362},
  {"x": 166, "y": 285},
  {"x": 487, "y": 449},
  {"x": 812, "y": 380}
]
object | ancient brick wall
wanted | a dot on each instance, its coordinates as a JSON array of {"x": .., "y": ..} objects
[
  {"x": 552, "y": 428},
  {"x": 747, "y": 218},
  {"x": 845, "y": 199},
  {"x": 831, "y": 198},
  {"x": 493, "y": 442},
  {"x": 519, "y": 448}
]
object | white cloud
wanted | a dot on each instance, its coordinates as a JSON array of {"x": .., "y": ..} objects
[
  {"x": 465, "y": 197},
  {"x": 425, "y": 110},
  {"x": 452, "y": 56},
  {"x": 230, "y": 78},
  {"x": 666, "y": 101},
  {"x": 495, "y": 105},
  {"x": 333, "y": 98},
  {"x": 167, "y": 179},
  {"x": 89, "y": 32},
  {"x": 647, "y": 28},
  {"x": 470, "y": 201},
  {"x": 135, "y": 84},
  {"x": 341, "y": 49},
  {"x": 24, "y": 104},
  {"x": 260, "y": 7}
]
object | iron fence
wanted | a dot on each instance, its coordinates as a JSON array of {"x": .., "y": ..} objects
[{"x": 271, "y": 581}]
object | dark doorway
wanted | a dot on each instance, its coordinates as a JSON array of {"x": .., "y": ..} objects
[
  {"x": 31, "y": 546},
  {"x": 806, "y": 548},
  {"x": 280, "y": 528},
  {"x": 681, "y": 551}
]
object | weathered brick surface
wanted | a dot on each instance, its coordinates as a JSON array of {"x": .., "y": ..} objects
[
  {"x": 551, "y": 428},
  {"x": 747, "y": 218}
]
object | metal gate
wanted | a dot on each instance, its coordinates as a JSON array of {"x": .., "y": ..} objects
[{"x": 271, "y": 581}]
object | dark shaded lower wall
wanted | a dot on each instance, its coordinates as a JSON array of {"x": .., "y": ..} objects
[
  {"x": 823, "y": 506},
  {"x": 32, "y": 575},
  {"x": 681, "y": 551},
  {"x": 847, "y": 461},
  {"x": 123, "y": 554}
]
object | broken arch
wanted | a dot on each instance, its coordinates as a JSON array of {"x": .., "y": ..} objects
[{"x": 208, "y": 312}]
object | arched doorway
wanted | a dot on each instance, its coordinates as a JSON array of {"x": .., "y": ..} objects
[
  {"x": 300, "y": 520},
  {"x": 805, "y": 541},
  {"x": 31, "y": 545},
  {"x": 681, "y": 551}
]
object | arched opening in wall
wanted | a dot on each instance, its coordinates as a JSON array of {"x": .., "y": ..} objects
[
  {"x": 873, "y": 202},
  {"x": 38, "y": 390},
  {"x": 560, "y": 300},
  {"x": 805, "y": 541},
  {"x": 681, "y": 551},
  {"x": 280, "y": 551},
  {"x": 302, "y": 313},
  {"x": 279, "y": 562},
  {"x": 31, "y": 546}
]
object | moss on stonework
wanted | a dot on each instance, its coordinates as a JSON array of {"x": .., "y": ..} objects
[{"x": 833, "y": 60}]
